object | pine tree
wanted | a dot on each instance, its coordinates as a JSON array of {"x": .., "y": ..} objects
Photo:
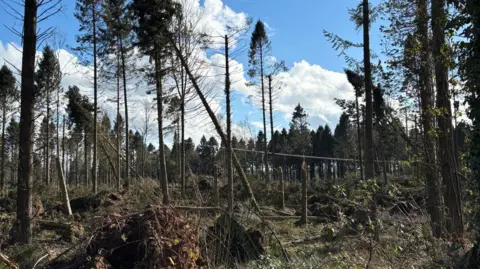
[
  {"x": 153, "y": 21},
  {"x": 88, "y": 14},
  {"x": 341, "y": 148},
  {"x": 48, "y": 79},
  {"x": 8, "y": 92},
  {"x": 116, "y": 38},
  {"x": 258, "y": 53}
]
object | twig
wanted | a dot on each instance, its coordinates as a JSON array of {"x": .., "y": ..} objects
[
  {"x": 39, "y": 260},
  {"x": 8, "y": 262}
]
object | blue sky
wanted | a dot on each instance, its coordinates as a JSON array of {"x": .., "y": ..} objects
[{"x": 296, "y": 35}]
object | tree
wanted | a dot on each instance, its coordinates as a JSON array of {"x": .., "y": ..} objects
[
  {"x": 117, "y": 40},
  {"x": 87, "y": 13},
  {"x": 48, "y": 79},
  {"x": 23, "y": 224},
  {"x": 299, "y": 135},
  {"x": 153, "y": 22},
  {"x": 258, "y": 53},
  {"x": 435, "y": 202},
  {"x": 445, "y": 150},
  {"x": 369, "y": 147},
  {"x": 327, "y": 148},
  {"x": 358, "y": 84},
  {"x": 341, "y": 149},
  {"x": 79, "y": 111},
  {"x": 7, "y": 94}
]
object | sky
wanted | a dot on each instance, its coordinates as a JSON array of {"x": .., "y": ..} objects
[{"x": 314, "y": 78}]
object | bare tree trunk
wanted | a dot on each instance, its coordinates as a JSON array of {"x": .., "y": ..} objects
[
  {"x": 161, "y": 150},
  {"x": 435, "y": 203},
  {"x": 304, "y": 173},
  {"x": 125, "y": 97},
  {"x": 369, "y": 151},
  {"x": 265, "y": 149},
  {"x": 64, "y": 189},
  {"x": 229, "y": 130},
  {"x": 359, "y": 135},
  {"x": 2, "y": 165},
  {"x": 119, "y": 141},
  {"x": 445, "y": 149},
  {"x": 95, "y": 100},
  {"x": 282, "y": 187},
  {"x": 23, "y": 225},
  {"x": 270, "y": 101},
  {"x": 47, "y": 147}
]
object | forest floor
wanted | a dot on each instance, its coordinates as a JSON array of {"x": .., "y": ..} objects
[{"x": 128, "y": 229}]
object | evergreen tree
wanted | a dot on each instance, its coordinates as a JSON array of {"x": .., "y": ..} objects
[
  {"x": 8, "y": 92},
  {"x": 48, "y": 79},
  {"x": 88, "y": 14},
  {"x": 341, "y": 147},
  {"x": 258, "y": 53},
  {"x": 154, "y": 19}
]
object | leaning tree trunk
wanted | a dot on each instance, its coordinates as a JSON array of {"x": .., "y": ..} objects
[
  {"x": 435, "y": 203},
  {"x": 445, "y": 149},
  {"x": 23, "y": 225},
  {"x": 215, "y": 122}
]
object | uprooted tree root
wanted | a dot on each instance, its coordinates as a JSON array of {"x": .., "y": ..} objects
[{"x": 158, "y": 237}]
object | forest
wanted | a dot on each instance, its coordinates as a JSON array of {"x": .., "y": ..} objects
[{"x": 96, "y": 177}]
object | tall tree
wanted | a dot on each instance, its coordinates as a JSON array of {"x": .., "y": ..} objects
[
  {"x": 369, "y": 147},
  {"x": 258, "y": 53},
  {"x": 358, "y": 84},
  {"x": 48, "y": 79},
  {"x": 88, "y": 14},
  {"x": 7, "y": 94},
  {"x": 153, "y": 22},
  {"x": 117, "y": 36},
  {"x": 435, "y": 203},
  {"x": 445, "y": 150},
  {"x": 23, "y": 225}
]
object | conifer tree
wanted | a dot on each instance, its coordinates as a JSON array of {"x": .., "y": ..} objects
[
  {"x": 154, "y": 20},
  {"x": 258, "y": 53},
  {"x": 88, "y": 15},
  {"x": 48, "y": 79},
  {"x": 7, "y": 94}
]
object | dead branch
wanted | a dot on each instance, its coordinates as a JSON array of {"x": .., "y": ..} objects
[{"x": 8, "y": 262}]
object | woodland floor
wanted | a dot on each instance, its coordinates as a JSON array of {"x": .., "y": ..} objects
[{"x": 339, "y": 235}]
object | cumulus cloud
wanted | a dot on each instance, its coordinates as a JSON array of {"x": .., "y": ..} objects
[{"x": 314, "y": 87}]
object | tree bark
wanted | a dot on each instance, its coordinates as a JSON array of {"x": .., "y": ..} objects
[
  {"x": 445, "y": 149},
  {"x": 125, "y": 97},
  {"x": 229, "y": 130},
  {"x": 2, "y": 165},
  {"x": 304, "y": 173},
  {"x": 265, "y": 149},
  {"x": 270, "y": 101},
  {"x": 23, "y": 225},
  {"x": 161, "y": 149},
  {"x": 359, "y": 135},
  {"x": 369, "y": 151},
  {"x": 47, "y": 146},
  {"x": 434, "y": 203},
  {"x": 119, "y": 130},
  {"x": 95, "y": 99},
  {"x": 64, "y": 189}
]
